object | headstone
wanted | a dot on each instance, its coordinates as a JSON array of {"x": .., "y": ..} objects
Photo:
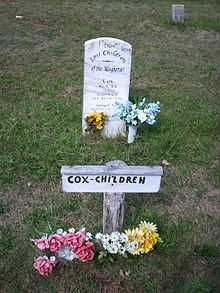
[
  {"x": 113, "y": 179},
  {"x": 107, "y": 67},
  {"x": 178, "y": 13}
]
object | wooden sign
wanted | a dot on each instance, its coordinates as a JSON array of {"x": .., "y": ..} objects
[
  {"x": 130, "y": 179},
  {"x": 113, "y": 179}
]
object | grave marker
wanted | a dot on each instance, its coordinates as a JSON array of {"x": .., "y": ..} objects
[
  {"x": 113, "y": 179},
  {"x": 107, "y": 67},
  {"x": 178, "y": 13}
]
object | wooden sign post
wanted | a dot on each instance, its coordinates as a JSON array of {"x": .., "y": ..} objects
[{"x": 113, "y": 179}]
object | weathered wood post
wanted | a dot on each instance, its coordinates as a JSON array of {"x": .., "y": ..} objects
[
  {"x": 177, "y": 13},
  {"x": 113, "y": 205}
]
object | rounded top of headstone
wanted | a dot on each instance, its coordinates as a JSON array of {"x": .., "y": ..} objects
[
  {"x": 177, "y": 5},
  {"x": 103, "y": 39}
]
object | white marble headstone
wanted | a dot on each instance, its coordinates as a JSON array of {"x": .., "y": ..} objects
[{"x": 107, "y": 67}]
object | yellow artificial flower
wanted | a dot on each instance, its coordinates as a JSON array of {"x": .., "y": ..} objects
[
  {"x": 145, "y": 235},
  {"x": 99, "y": 126},
  {"x": 147, "y": 226},
  {"x": 149, "y": 241},
  {"x": 134, "y": 235},
  {"x": 89, "y": 118},
  {"x": 95, "y": 120},
  {"x": 98, "y": 117}
]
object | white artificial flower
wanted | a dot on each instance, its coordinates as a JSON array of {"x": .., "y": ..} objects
[
  {"x": 60, "y": 231},
  {"x": 66, "y": 253},
  {"x": 98, "y": 236},
  {"x": 122, "y": 250},
  {"x": 124, "y": 237},
  {"x": 115, "y": 236},
  {"x": 113, "y": 243},
  {"x": 133, "y": 107},
  {"x": 88, "y": 236},
  {"x": 131, "y": 246},
  {"x": 105, "y": 245},
  {"x": 52, "y": 258},
  {"x": 142, "y": 116},
  {"x": 134, "y": 122},
  {"x": 105, "y": 238},
  {"x": 112, "y": 249},
  {"x": 71, "y": 230}
]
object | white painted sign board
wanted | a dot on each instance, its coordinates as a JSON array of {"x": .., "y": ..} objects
[
  {"x": 130, "y": 179},
  {"x": 107, "y": 67}
]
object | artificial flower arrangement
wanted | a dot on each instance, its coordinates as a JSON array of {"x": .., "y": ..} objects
[
  {"x": 95, "y": 120},
  {"x": 64, "y": 246},
  {"x": 135, "y": 114}
]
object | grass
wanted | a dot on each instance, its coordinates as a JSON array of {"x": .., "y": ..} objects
[
  {"x": 4, "y": 207},
  {"x": 207, "y": 250},
  {"x": 40, "y": 130},
  {"x": 8, "y": 240}
]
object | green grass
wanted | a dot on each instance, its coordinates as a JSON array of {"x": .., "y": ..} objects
[
  {"x": 207, "y": 250},
  {"x": 196, "y": 285},
  {"x": 46, "y": 219},
  {"x": 4, "y": 207},
  {"x": 8, "y": 240},
  {"x": 41, "y": 78}
]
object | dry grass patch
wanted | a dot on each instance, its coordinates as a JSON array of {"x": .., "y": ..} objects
[{"x": 195, "y": 195}]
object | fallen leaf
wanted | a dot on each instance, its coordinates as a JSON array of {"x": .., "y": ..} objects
[
  {"x": 164, "y": 163},
  {"x": 124, "y": 274},
  {"x": 127, "y": 273}
]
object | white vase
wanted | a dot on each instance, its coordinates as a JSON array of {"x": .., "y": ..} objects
[{"x": 132, "y": 131}]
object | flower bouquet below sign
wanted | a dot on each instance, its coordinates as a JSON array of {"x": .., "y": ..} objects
[
  {"x": 72, "y": 245},
  {"x": 95, "y": 121},
  {"x": 136, "y": 114},
  {"x": 63, "y": 246},
  {"x": 136, "y": 241}
]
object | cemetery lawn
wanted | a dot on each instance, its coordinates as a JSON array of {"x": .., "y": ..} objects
[{"x": 40, "y": 130}]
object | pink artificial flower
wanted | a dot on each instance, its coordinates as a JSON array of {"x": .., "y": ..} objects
[
  {"x": 86, "y": 251},
  {"x": 42, "y": 243},
  {"x": 44, "y": 265},
  {"x": 74, "y": 240},
  {"x": 55, "y": 241}
]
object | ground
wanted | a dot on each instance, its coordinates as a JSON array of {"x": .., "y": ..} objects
[{"x": 40, "y": 130}]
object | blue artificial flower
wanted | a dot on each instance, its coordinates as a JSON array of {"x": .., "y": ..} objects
[{"x": 133, "y": 113}]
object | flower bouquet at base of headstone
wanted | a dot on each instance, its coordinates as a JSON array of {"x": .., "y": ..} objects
[
  {"x": 95, "y": 121},
  {"x": 135, "y": 114},
  {"x": 72, "y": 245}
]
